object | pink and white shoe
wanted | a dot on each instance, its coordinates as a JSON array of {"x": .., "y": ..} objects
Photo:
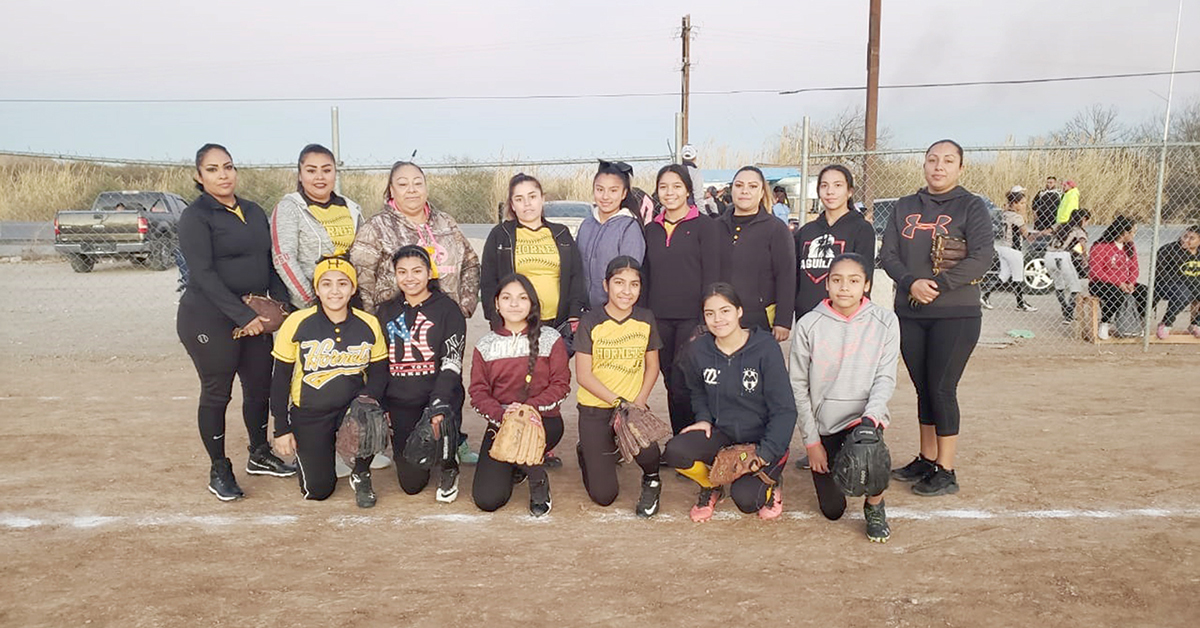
[
  {"x": 706, "y": 504},
  {"x": 1163, "y": 332},
  {"x": 1195, "y": 329},
  {"x": 774, "y": 506}
]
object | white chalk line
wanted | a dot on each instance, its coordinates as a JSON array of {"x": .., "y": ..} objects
[
  {"x": 17, "y": 521},
  {"x": 94, "y": 398}
]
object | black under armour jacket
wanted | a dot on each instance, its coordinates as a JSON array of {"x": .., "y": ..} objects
[{"x": 747, "y": 395}]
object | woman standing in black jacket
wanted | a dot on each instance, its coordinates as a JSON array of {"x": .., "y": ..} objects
[
  {"x": 939, "y": 311},
  {"x": 543, "y": 251},
  {"x": 681, "y": 261},
  {"x": 226, "y": 243},
  {"x": 759, "y": 256}
]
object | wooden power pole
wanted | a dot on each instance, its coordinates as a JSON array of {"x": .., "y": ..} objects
[
  {"x": 687, "y": 71},
  {"x": 872, "y": 121}
]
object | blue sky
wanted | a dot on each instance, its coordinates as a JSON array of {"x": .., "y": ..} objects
[{"x": 302, "y": 48}]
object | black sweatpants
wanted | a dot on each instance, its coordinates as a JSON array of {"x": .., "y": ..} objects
[
  {"x": 414, "y": 479},
  {"x": 675, "y": 334},
  {"x": 315, "y": 440},
  {"x": 748, "y": 492},
  {"x": 492, "y": 487},
  {"x": 936, "y": 351},
  {"x": 830, "y": 498},
  {"x": 207, "y": 335},
  {"x": 1112, "y": 297},
  {"x": 598, "y": 455}
]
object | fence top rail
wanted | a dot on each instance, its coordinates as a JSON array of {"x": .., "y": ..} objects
[
  {"x": 1009, "y": 148},
  {"x": 506, "y": 163}
]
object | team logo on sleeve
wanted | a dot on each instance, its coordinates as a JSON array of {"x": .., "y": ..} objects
[
  {"x": 749, "y": 380},
  {"x": 710, "y": 376}
]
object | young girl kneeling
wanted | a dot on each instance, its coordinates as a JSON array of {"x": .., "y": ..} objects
[{"x": 843, "y": 372}]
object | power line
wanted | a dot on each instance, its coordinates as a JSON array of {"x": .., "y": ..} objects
[{"x": 730, "y": 92}]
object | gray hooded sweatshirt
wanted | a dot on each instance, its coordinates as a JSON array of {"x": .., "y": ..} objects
[
  {"x": 298, "y": 242},
  {"x": 843, "y": 368},
  {"x": 600, "y": 243}
]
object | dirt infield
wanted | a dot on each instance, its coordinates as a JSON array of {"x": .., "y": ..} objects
[{"x": 1078, "y": 507}]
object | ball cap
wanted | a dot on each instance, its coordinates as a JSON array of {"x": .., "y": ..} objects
[{"x": 688, "y": 151}]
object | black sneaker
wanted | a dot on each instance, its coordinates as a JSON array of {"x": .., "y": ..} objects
[
  {"x": 539, "y": 498},
  {"x": 518, "y": 476},
  {"x": 914, "y": 471},
  {"x": 647, "y": 505},
  {"x": 263, "y": 462},
  {"x": 447, "y": 490},
  {"x": 222, "y": 483},
  {"x": 552, "y": 461},
  {"x": 877, "y": 525},
  {"x": 802, "y": 464},
  {"x": 941, "y": 482},
  {"x": 364, "y": 494}
]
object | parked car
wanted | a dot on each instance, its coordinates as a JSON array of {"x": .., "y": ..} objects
[
  {"x": 568, "y": 213},
  {"x": 140, "y": 226},
  {"x": 1037, "y": 278}
]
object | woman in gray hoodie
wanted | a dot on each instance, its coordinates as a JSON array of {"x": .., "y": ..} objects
[
  {"x": 311, "y": 223},
  {"x": 612, "y": 229},
  {"x": 843, "y": 372}
]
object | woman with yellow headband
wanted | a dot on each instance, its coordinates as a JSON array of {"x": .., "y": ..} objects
[{"x": 326, "y": 356}]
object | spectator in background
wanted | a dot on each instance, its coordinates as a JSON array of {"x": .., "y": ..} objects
[
  {"x": 780, "y": 208},
  {"x": 1066, "y": 259},
  {"x": 712, "y": 206},
  {"x": 1045, "y": 206},
  {"x": 687, "y": 155},
  {"x": 500, "y": 212},
  {"x": 1178, "y": 281},
  {"x": 1113, "y": 270},
  {"x": 1009, "y": 238},
  {"x": 1068, "y": 204}
]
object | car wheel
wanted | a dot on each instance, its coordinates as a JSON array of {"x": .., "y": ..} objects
[
  {"x": 162, "y": 254},
  {"x": 1037, "y": 277},
  {"x": 81, "y": 263}
]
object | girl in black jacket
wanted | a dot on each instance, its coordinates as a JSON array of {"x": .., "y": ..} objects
[
  {"x": 837, "y": 230},
  {"x": 226, "y": 244},
  {"x": 426, "y": 335},
  {"x": 741, "y": 394},
  {"x": 543, "y": 251},
  {"x": 758, "y": 255},
  {"x": 939, "y": 314},
  {"x": 681, "y": 261}
]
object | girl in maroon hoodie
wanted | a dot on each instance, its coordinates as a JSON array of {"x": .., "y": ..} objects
[{"x": 519, "y": 361}]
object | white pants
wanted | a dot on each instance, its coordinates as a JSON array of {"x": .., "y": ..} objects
[
  {"x": 1012, "y": 264},
  {"x": 1062, "y": 271}
]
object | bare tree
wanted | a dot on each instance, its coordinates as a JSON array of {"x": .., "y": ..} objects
[
  {"x": 1093, "y": 125},
  {"x": 843, "y": 133}
]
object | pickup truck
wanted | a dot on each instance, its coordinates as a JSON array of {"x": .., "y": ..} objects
[{"x": 124, "y": 225}]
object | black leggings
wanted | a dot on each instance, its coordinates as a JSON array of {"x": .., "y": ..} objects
[
  {"x": 675, "y": 334},
  {"x": 597, "y": 452},
  {"x": 208, "y": 337},
  {"x": 749, "y": 492},
  {"x": 315, "y": 441},
  {"x": 492, "y": 487},
  {"x": 414, "y": 479},
  {"x": 830, "y": 498},
  {"x": 1112, "y": 297},
  {"x": 935, "y": 352}
]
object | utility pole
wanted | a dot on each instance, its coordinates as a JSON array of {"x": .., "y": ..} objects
[
  {"x": 336, "y": 137},
  {"x": 872, "y": 120},
  {"x": 687, "y": 71}
]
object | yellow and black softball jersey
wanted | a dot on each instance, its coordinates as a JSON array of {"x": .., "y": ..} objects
[
  {"x": 618, "y": 349},
  {"x": 328, "y": 362},
  {"x": 334, "y": 215},
  {"x": 536, "y": 256}
]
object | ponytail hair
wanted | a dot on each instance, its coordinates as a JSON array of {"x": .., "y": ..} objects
[{"x": 204, "y": 151}]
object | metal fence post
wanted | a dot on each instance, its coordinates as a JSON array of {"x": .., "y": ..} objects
[
  {"x": 803, "y": 209},
  {"x": 337, "y": 147}
]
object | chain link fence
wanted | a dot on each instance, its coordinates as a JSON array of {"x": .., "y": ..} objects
[{"x": 1112, "y": 180}]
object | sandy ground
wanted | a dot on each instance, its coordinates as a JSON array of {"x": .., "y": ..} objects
[{"x": 1077, "y": 506}]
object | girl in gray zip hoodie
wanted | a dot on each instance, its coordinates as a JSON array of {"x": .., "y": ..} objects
[
  {"x": 311, "y": 223},
  {"x": 843, "y": 372},
  {"x": 610, "y": 231}
]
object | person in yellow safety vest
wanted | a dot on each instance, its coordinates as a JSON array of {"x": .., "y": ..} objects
[{"x": 1068, "y": 204}]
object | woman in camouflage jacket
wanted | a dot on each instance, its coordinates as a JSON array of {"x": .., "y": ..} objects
[{"x": 408, "y": 218}]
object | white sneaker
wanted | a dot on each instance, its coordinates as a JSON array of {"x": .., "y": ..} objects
[
  {"x": 340, "y": 469},
  {"x": 1026, "y": 308},
  {"x": 447, "y": 490},
  {"x": 1102, "y": 333},
  {"x": 380, "y": 461}
]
